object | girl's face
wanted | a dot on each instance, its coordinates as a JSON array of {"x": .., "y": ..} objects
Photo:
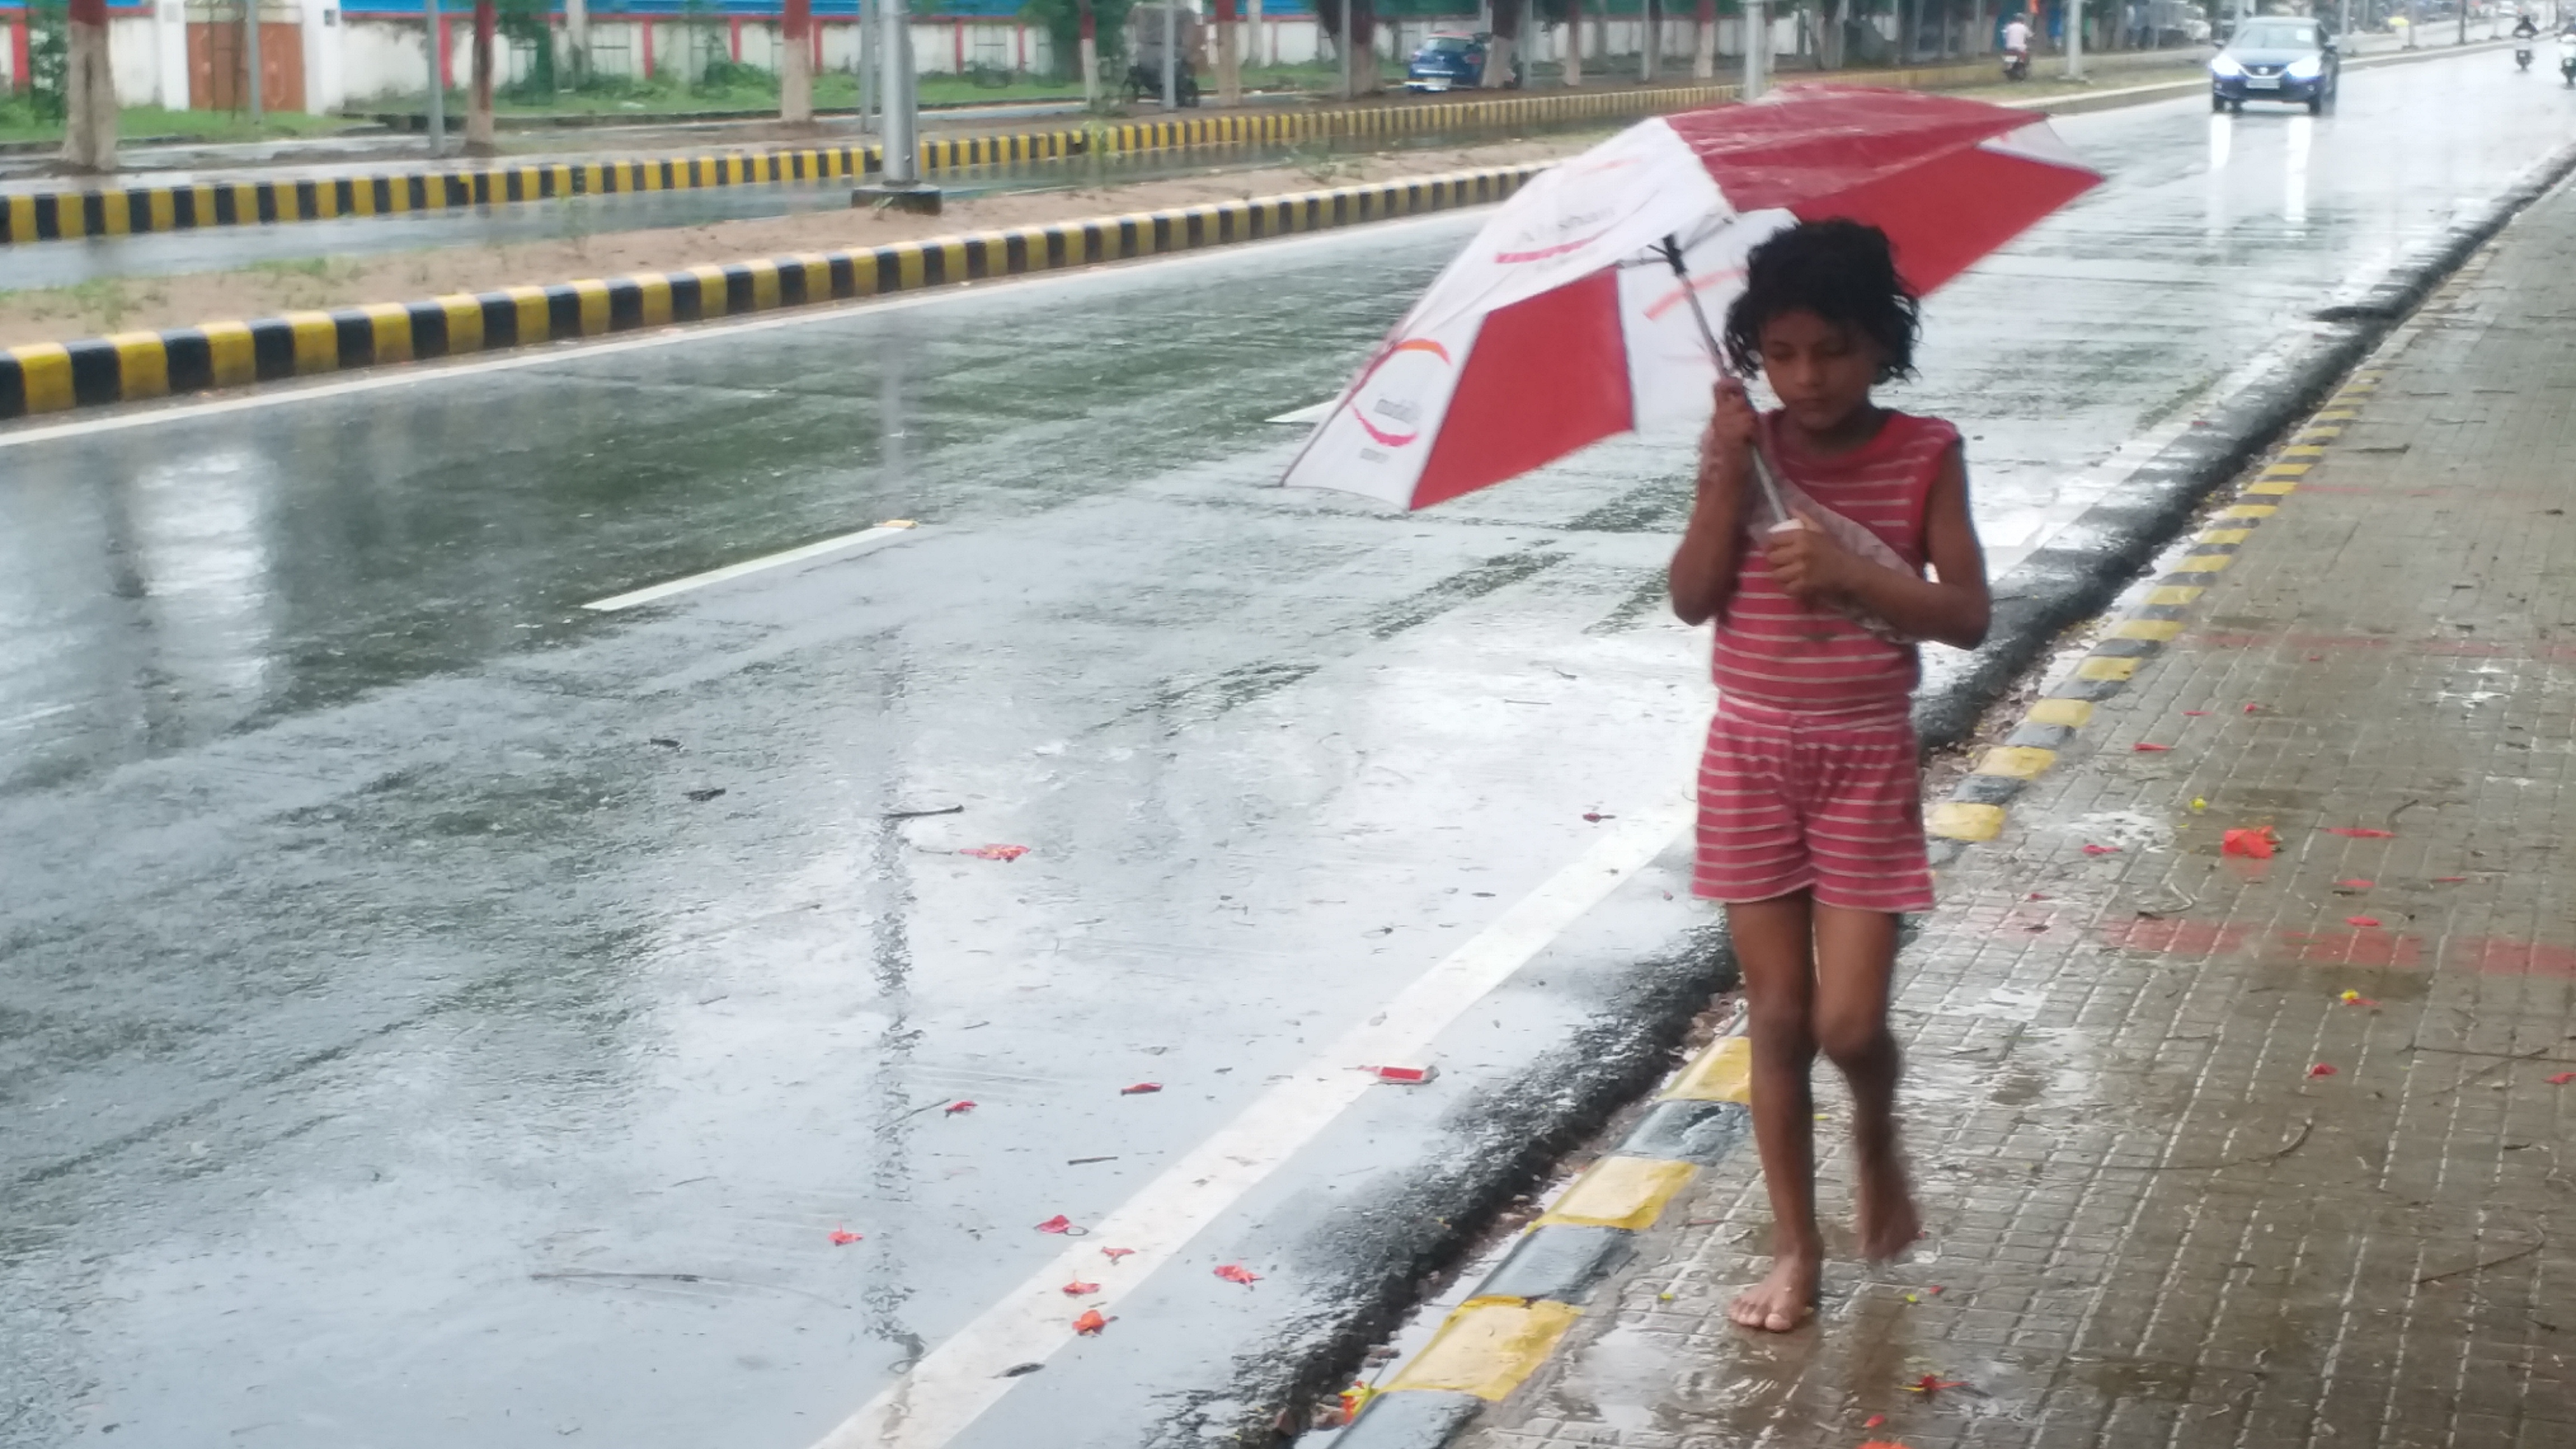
[{"x": 1821, "y": 370}]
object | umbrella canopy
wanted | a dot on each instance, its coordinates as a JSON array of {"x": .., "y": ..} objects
[{"x": 1562, "y": 323}]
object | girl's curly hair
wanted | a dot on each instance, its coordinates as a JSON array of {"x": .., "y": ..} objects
[{"x": 1843, "y": 271}]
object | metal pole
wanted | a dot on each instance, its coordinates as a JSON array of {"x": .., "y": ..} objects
[
  {"x": 1344, "y": 46},
  {"x": 2075, "y": 40},
  {"x": 1171, "y": 55},
  {"x": 250, "y": 55},
  {"x": 869, "y": 102},
  {"x": 437, "y": 81},
  {"x": 1757, "y": 46},
  {"x": 895, "y": 47}
]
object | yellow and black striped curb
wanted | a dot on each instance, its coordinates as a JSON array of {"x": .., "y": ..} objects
[
  {"x": 1974, "y": 812},
  {"x": 130, "y": 366},
  {"x": 60, "y": 215},
  {"x": 1522, "y": 1309}
]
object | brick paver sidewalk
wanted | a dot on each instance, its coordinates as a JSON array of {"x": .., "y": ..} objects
[{"x": 2157, "y": 1216}]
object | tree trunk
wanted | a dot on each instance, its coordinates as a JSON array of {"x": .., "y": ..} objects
[
  {"x": 577, "y": 40},
  {"x": 1090, "y": 56},
  {"x": 1574, "y": 47},
  {"x": 479, "y": 132},
  {"x": 1506, "y": 28},
  {"x": 1229, "y": 57},
  {"x": 1704, "y": 41},
  {"x": 1830, "y": 43},
  {"x": 1365, "y": 78},
  {"x": 796, "y": 63},
  {"x": 1601, "y": 36},
  {"x": 1652, "y": 50},
  {"x": 89, "y": 90}
]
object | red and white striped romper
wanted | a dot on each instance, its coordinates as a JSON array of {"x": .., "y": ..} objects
[{"x": 1812, "y": 779}]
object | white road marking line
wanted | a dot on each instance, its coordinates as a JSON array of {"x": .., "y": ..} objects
[
  {"x": 962, "y": 1377},
  {"x": 1310, "y": 414},
  {"x": 269, "y": 395},
  {"x": 845, "y": 542}
]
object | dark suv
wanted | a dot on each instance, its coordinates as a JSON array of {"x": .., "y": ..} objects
[
  {"x": 2286, "y": 58},
  {"x": 1451, "y": 62}
]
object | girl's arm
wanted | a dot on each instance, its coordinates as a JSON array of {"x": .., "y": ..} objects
[
  {"x": 1954, "y": 610},
  {"x": 1703, "y": 569}
]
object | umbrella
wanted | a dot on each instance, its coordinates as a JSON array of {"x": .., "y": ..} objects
[{"x": 1580, "y": 310}]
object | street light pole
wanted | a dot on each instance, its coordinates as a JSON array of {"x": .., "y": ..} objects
[
  {"x": 1171, "y": 55},
  {"x": 2075, "y": 40},
  {"x": 250, "y": 55},
  {"x": 1757, "y": 48},
  {"x": 894, "y": 48},
  {"x": 437, "y": 78},
  {"x": 1344, "y": 46}
]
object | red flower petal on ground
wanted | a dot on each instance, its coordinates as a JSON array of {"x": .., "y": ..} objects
[
  {"x": 2361, "y": 920},
  {"x": 2142, "y": 747},
  {"x": 995, "y": 852},
  {"x": 2197, "y": 713},
  {"x": 2361, "y": 832},
  {"x": 1114, "y": 1254},
  {"x": 1140, "y": 1089},
  {"x": 956, "y": 1107},
  {"x": 1057, "y": 1224},
  {"x": 2321, "y": 1069},
  {"x": 1079, "y": 1289},
  {"x": 2036, "y": 896},
  {"x": 1873, "y": 1421},
  {"x": 1237, "y": 1273},
  {"x": 1596, "y": 817},
  {"x": 2254, "y": 841},
  {"x": 2356, "y": 883},
  {"x": 1933, "y": 1384},
  {"x": 2101, "y": 850},
  {"x": 2449, "y": 879},
  {"x": 843, "y": 1237},
  {"x": 2562, "y": 1079},
  {"x": 1090, "y": 1322}
]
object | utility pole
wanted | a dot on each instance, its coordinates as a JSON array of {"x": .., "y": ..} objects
[
  {"x": 1171, "y": 55},
  {"x": 869, "y": 101},
  {"x": 250, "y": 57},
  {"x": 2075, "y": 40},
  {"x": 899, "y": 184},
  {"x": 437, "y": 77},
  {"x": 1343, "y": 45}
]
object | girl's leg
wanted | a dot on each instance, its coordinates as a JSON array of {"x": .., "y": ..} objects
[
  {"x": 1855, "y": 960},
  {"x": 1771, "y": 940}
]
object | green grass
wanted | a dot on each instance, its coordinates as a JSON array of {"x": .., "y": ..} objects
[{"x": 18, "y": 122}]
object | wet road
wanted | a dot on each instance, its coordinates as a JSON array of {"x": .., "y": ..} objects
[
  {"x": 398, "y": 1054},
  {"x": 68, "y": 263}
]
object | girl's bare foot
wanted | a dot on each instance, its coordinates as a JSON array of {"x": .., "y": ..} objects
[
  {"x": 1888, "y": 1223},
  {"x": 1784, "y": 1299}
]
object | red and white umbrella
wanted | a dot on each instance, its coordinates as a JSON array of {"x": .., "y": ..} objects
[{"x": 1565, "y": 322}]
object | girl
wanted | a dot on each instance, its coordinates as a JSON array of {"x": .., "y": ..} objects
[{"x": 1810, "y": 826}]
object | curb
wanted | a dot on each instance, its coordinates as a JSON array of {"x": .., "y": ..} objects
[
  {"x": 66, "y": 215},
  {"x": 1523, "y": 1309},
  {"x": 133, "y": 366}
]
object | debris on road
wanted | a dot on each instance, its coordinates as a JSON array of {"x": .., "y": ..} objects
[
  {"x": 2355, "y": 998},
  {"x": 1062, "y": 1224},
  {"x": 2355, "y": 884},
  {"x": 1141, "y": 1089},
  {"x": 2255, "y": 842},
  {"x": 1114, "y": 1254},
  {"x": 924, "y": 814},
  {"x": 1403, "y": 1076},
  {"x": 843, "y": 1237},
  {"x": 1080, "y": 1289},
  {"x": 955, "y": 1109},
  {"x": 703, "y": 796},
  {"x": 995, "y": 852},
  {"x": 2364, "y": 921},
  {"x": 2322, "y": 1069},
  {"x": 1237, "y": 1273},
  {"x": 2091, "y": 848},
  {"x": 2144, "y": 748},
  {"x": 664, "y": 741},
  {"x": 2361, "y": 832},
  {"x": 1931, "y": 1384},
  {"x": 2562, "y": 1079},
  {"x": 1091, "y": 1322}
]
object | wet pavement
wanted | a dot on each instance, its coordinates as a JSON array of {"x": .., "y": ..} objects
[
  {"x": 404, "y": 1047},
  {"x": 2217, "y": 1149}
]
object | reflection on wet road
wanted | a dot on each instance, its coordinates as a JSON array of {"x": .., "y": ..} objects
[{"x": 433, "y": 1009}]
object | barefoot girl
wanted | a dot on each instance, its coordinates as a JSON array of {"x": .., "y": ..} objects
[{"x": 1810, "y": 827}]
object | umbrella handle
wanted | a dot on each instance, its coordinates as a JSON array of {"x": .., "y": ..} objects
[{"x": 1762, "y": 471}]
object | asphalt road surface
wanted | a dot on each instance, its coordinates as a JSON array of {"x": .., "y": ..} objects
[{"x": 405, "y": 1046}]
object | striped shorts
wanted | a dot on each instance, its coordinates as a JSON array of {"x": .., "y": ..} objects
[{"x": 1792, "y": 801}]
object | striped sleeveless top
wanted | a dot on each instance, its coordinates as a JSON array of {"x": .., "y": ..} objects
[{"x": 1773, "y": 651}]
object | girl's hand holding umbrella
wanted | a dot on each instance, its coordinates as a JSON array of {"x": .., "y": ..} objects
[
  {"x": 1808, "y": 564},
  {"x": 1726, "y": 451}
]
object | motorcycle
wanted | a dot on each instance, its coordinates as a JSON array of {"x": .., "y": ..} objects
[
  {"x": 2522, "y": 56},
  {"x": 2567, "y": 58},
  {"x": 2016, "y": 65}
]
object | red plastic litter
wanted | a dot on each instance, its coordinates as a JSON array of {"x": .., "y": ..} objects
[
  {"x": 2253, "y": 709},
  {"x": 2562, "y": 1079},
  {"x": 1873, "y": 1421},
  {"x": 995, "y": 852},
  {"x": 1596, "y": 817},
  {"x": 1114, "y": 1254},
  {"x": 1057, "y": 1224},
  {"x": 2361, "y": 920},
  {"x": 1090, "y": 1322},
  {"x": 2036, "y": 896},
  {"x": 2449, "y": 879},
  {"x": 1933, "y": 1384},
  {"x": 954, "y": 1108},
  {"x": 2321, "y": 1069},
  {"x": 1934, "y": 1289},
  {"x": 843, "y": 1237},
  {"x": 2361, "y": 832},
  {"x": 2142, "y": 747},
  {"x": 1079, "y": 1289},
  {"x": 2255, "y": 842},
  {"x": 2197, "y": 713},
  {"x": 1140, "y": 1089},
  {"x": 2101, "y": 850},
  {"x": 1237, "y": 1273},
  {"x": 2355, "y": 883},
  {"x": 1409, "y": 1076}
]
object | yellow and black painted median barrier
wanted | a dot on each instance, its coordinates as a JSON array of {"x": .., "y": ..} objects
[
  {"x": 134, "y": 366},
  {"x": 63, "y": 215}
]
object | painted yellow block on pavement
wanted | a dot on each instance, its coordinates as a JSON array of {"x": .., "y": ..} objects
[
  {"x": 2174, "y": 595},
  {"x": 2161, "y": 631},
  {"x": 1620, "y": 1192},
  {"x": 1723, "y": 1073},
  {"x": 1486, "y": 1348},
  {"x": 2106, "y": 671},
  {"x": 2075, "y": 714},
  {"x": 2018, "y": 762},
  {"x": 2249, "y": 510},
  {"x": 2204, "y": 563},
  {"x": 1960, "y": 820}
]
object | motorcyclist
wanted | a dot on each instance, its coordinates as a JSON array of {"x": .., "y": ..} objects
[
  {"x": 2016, "y": 38},
  {"x": 2525, "y": 27}
]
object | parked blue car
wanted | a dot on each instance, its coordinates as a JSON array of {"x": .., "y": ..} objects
[{"x": 1451, "y": 62}]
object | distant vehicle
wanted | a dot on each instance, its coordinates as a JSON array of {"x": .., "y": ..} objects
[
  {"x": 2567, "y": 57},
  {"x": 1452, "y": 61},
  {"x": 2285, "y": 58},
  {"x": 1145, "y": 42}
]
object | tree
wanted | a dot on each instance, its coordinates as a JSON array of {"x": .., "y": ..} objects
[
  {"x": 1568, "y": 13},
  {"x": 1704, "y": 41},
  {"x": 1080, "y": 28},
  {"x": 1328, "y": 15},
  {"x": 480, "y": 136},
  {"x": 1229, "y": 70},
  {"x": 1505, "y": 48},
  {"x": 89, "y": 90}
]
